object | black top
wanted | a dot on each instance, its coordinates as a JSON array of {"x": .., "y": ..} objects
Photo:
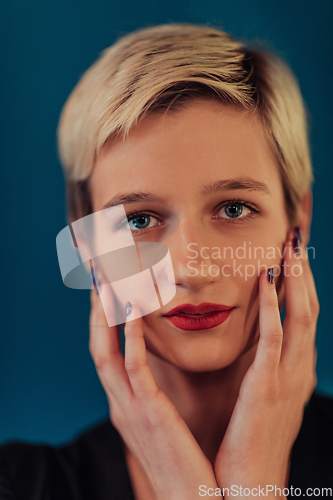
[{"x": 93, "y": 466}]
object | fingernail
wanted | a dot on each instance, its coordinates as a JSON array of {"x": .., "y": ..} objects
[
  {"x": 297, "y": 239},
  {"x": 128, "y": 308},
  {"x": 298, "y": 234},
  {"x": 94, "y": 281},
  {"x": 295, "y": 244},
  {"x": 270, "y": 275}
]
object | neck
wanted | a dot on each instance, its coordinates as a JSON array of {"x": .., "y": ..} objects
[{"x": 205, "y": 400}]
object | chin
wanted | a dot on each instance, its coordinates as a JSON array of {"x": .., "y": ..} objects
[
  {"x": 205, "y": 362},
  {"x": 197, "y": 351},
  {"x": 202, "y": 367},
  {"x": 203, "y": 356}
]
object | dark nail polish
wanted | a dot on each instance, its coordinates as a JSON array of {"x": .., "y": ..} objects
[
  {"x": 94, "y": 282},
  {"x": 298, "y": 234},
  {"x": 296, "y": 244},
  {"x": 270, "y": 275},
  {"x": 128, "y": 308}
]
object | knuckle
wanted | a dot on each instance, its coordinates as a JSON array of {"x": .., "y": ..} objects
[
  {"x": 150, "y": 413},
  {"x": 302, "y": 317},
  {"x": 147, "y": 422},
  {"x": 93, "y": 343},
  {"x": 316, "y": 307},
  {"x": 154, "y": 416},
  {"x": 159, "y": 409},
  {"x": 148, "y": 418},
  {"x": 100, "y": 359},
  {"x": 132, "y": 366},
  {"x": 276, "y": 334},
  {"x": 91, "y": 346},
  {"x": 275, "y": 337},
  {"x": 306, "y": 319}
]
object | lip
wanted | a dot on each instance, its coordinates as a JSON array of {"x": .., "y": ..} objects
[
  {"x": 199, "y": 321},
  {"x": 201, "y": 317},
  {"x": 203, "y": 308}
]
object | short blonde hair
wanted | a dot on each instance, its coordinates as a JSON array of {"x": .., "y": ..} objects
[{"x": 163, "y": 68}]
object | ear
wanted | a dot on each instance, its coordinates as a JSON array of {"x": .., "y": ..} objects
[{"x": 304, "y": 215}]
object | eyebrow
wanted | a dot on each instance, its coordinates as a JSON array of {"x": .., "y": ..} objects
[
  {"x": 244, "y": 183},
  {"x": 240, "y": 183},
  {"x": 132, "y": 198}
]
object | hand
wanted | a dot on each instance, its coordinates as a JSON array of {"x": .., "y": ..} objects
[
  {"x": 268, "y": 413},
  {"x": 145, "y": 417}
]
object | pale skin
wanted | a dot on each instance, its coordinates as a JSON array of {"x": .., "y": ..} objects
[{"x": 221, "y": 406}]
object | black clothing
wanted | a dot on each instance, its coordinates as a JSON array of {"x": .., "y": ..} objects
[{"x": 93, "y": 466}]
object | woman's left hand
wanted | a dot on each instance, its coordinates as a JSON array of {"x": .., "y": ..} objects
[{"x": 269, "y": 410}]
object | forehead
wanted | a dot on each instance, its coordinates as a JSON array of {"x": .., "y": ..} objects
[{"x": 204, "y": 142}]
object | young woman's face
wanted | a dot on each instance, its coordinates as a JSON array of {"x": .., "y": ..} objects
[{"x": 216, "y": 184}]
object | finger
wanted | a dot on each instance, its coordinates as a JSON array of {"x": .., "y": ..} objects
[
  {"x": 297, "y": 302},
  {"x": 105, "y": 351},
  {"x": 138, "y": 370},
  {"x": 309, "y": 279},
  {"x": 270, "y": 329},
  {"x": 298, "y": 321},
  {"x": 313, "y": 296},
  {"x": 302, "y": 254}
]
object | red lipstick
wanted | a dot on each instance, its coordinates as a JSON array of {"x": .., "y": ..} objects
[{"x": 200, "y": 317}]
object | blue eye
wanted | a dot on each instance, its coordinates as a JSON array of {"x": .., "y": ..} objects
[
  {"x": 236, "y": 209},
  {"x": 140, "y": 221}
]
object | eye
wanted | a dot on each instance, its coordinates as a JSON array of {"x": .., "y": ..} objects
[
  {"x": 140, "y": 221},
  {"x": 236, "y": 209}
]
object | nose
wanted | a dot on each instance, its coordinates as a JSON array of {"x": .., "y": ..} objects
[{"x": 191, "y": 256}]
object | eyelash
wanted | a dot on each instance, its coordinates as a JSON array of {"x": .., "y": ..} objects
[{"x": 234, "y": 201}]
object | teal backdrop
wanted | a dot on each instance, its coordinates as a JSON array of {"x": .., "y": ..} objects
[{"x": 48, "y": 385}]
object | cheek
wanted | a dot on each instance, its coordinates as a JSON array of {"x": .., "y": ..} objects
[
  {"x": 258, "y": 257},
  {"x": 248, "y": 287}
]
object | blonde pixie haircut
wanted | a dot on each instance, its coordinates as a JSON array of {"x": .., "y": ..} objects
[{"x": 162, "y": 68}]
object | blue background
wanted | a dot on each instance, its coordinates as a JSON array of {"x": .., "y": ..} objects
[{"x": 48, "y": 385}]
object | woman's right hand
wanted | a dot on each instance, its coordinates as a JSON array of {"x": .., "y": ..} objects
[{"x": 144, "y": 416}]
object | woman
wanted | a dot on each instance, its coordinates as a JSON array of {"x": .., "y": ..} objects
[{"x": 204, "y": 144}]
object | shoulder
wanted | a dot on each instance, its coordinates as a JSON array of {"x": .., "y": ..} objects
[
  {"x": 91, "y": 466},
  {"x": 312, "y": 454}
]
